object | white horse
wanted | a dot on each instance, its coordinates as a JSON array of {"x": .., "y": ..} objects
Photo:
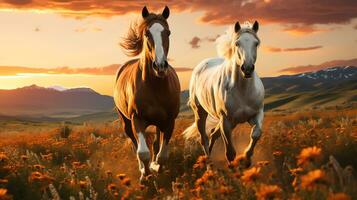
[{"x": 229, "y": 91}]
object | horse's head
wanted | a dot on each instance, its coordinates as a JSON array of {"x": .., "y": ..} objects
[
  {"x": 246, "y": 44},
  {"x": 157, "y": 40}
]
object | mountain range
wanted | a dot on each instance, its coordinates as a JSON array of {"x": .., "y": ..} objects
[
  {"x": 53, "y": 101},
  {"x": 334, "y": 86}
]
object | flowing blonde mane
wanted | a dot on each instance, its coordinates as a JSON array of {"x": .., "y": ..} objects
[{"x": 224, "y": 43}]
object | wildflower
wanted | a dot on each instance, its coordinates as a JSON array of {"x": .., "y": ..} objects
[
  {"x": 126, "y": 182},
  {"x": 199, "y": 182},
  {"x": 250, "y": 175},
  {"x": 225, "y": 190},
  {"x": 76, "y": 164},
  {"x": 47, "y": 178},
  {"x": 296, "y": 171},
  {"x": 312, "y": 178},
  {"x": 121, "y": 176},
  {"x": 24, "y": 157},
  {"x": 112, "y": 187},
  {"x": 239, "y": 159},
  {"x": 109, "y": 173},
  {"x": 39, "y": 167},
  {"x": 339, "y": 196},
  {"x": 263, "y": 163},
  {"x": 36, "y": 176},
  {"x": 3, "y": 157},
  {"x": 178, "y": 185},
  {"x": 3, "y": 192},
  {"x": 201, "y": 162},
  {"x": 83, "y": 184},
  {"x": 309, "y": 154},
  {"x": 47, "y": 157},
  {"x": 268, "y": 192},
  {"x": 277, "y": 153},
  {"x": 3, "y": 181}
]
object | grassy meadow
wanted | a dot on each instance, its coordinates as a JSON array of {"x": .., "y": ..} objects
[{"x": 301, "y": 155}]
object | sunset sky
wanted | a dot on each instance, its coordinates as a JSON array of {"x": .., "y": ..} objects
[{"x": 74, "y": 43}]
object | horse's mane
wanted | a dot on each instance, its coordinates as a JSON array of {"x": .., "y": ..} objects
[
  {"x": 132, "y": 43},
  {"x": 224, "y": 42}
]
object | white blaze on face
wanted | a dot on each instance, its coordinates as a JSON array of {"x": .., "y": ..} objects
[
  {"x": 247, "y": 43},
  {"x": 155, "y": 31}
]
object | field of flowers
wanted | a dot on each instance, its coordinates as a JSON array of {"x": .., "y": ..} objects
[{"x": 301, "y": 155}]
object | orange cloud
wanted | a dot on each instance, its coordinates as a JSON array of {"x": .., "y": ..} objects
[
  {"x": 308, "y": 68},
  {"x": 106, "y": 70},
  {"x": 277, "y": 49},
  {"x": 302, "y": 12},
  {"x": 299, "y": 30}
]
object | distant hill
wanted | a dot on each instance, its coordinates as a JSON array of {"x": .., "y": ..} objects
[
  {"x": 311, "y": 81},
  {"x": 335, "y": 86},
  {"x": 39, "y": 101}
]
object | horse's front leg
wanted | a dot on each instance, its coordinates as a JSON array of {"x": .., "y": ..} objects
[
  {"x": 163, "y": 153},
  {"x": 256, "y": 123},
  {"x": 226, "y": 133},
  {"x": 143, "y": 152}
]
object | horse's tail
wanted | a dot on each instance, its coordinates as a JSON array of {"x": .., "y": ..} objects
[{"x": 190, "y": 132}]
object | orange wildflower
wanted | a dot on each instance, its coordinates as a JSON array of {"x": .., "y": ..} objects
[
  {"x": 126, "y": 182},
  {"x": 36, "y": 176},
  {"x": 3, "y": 192},
  {"x": 112, "y": 187},
  {"x": 277, "y": 153},
  {"x": 296, "y": 171},
  {"x": 225, "y": 190},
  {"x": 339, "y": 196},
  {"x": 83, "y": 184},
  {"x": 250, "y": 175},
  {"x": 3, "y": 157},
  {"x": 121, "y": 176},
  {"x": 239, "y": 159},
  {"x": 24, "y": 157},
  {"x": 311, "y": 179},
  {"x": 47, "y": 157},
  {"x": 208, "y": 175},
  {"x": 263, "y": 163},
  {"x": 309, "y": 154},
  {"x": 3, "y": 181},
  {"x": 109, "y": 173},
  {"x": 201, "y": 162},
  {"x": 268, "y": 192},
  {"x": 39, "y": 167}
]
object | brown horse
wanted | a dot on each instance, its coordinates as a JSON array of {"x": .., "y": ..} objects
[{"x": 147, "y": 89}]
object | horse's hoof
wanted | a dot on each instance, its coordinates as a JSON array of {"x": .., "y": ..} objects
[{"x": 155, "y": 167}]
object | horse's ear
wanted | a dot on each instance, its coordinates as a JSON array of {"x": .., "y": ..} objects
[
  {"x": 166, "y": 12},
  {"x": 145, "y": 12},
  {"x": 237, "y": 27},
  {"x": 255, "y": 26}
]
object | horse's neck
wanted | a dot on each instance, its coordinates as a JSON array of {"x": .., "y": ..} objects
[
  {"x": 236, "y": 80},
  {"x": 145, "y": 65}
]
